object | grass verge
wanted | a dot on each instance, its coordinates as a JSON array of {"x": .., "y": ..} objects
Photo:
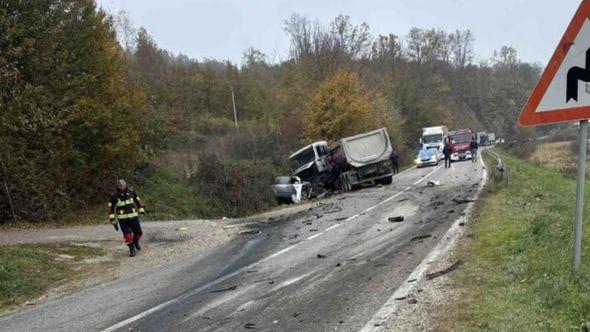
[
  {"x": 28, "y": 271},
  {"x": 518, "y": 274}
]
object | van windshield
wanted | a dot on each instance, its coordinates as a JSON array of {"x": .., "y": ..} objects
[
  {"x": 434, "y": 138},
  {"x": 304, "y": 157}
]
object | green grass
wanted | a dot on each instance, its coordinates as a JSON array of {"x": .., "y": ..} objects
[
  {"x": 168, "y": 197},
  {"x": 518, "y": 274},
  {"x": 27, "y": 271}
]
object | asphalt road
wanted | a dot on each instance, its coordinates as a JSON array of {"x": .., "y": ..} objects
[{"x": 331, "y": 267}]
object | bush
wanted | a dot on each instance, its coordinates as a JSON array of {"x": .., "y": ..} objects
[{"x": 239, "y": 187}]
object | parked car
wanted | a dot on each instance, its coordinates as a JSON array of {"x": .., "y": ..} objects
[
  {"x": 290, "y": 189},
  {"x": 427, "y": 157}
]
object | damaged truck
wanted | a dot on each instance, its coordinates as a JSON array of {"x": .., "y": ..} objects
[{"x": 347, "y": 163}]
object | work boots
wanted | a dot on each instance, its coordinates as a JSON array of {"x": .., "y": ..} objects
[
  {"x": 136, "y": 244},
  {"x": 131, "y": 250}
]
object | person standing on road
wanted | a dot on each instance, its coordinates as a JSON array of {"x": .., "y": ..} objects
[
  {"x": 447, "y": 151},
  {"x": 473, "y": 146},
  {"x": 125, "y": 207},
  {"x": 394, "y": 162}
]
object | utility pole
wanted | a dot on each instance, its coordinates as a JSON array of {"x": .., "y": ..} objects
[{"x": 233, "y": 101}]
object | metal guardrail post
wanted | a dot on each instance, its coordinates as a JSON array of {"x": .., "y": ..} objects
[{"x": 500, "y": 166}]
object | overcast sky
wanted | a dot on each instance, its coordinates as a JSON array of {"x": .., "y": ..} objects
[{"x": 223, "y": 29}]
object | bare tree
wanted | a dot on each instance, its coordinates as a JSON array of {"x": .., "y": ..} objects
[{"x": 126, "y": 31}]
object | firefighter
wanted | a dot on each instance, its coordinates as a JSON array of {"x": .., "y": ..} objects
[{"x": 125, "y": 207}]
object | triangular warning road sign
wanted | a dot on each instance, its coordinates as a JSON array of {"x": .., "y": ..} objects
[{"x": 563, "y": 92}]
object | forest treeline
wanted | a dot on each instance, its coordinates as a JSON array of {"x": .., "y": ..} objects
[{"x": 87, "y": 97}]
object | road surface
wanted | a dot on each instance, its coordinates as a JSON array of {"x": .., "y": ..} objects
[{"x": 331, "y": 267}]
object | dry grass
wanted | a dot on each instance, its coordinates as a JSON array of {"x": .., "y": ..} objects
[{"x": 558, "y": 156}]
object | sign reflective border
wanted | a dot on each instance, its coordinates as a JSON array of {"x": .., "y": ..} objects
[{"x": 562, "y": 93}]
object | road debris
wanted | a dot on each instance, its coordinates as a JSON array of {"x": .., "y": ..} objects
[
  {"x": 396, "y": 219},
  {"x": 462, "y": 201},
  {"x": 224, "y": 289},
  {"x": 322, "y": 256},
  {"x": 457, "y": 264},
  {"x": 433, "y": 183},
  {"x": 420, "y": 237},
  {"x": 249, "y": 232}
]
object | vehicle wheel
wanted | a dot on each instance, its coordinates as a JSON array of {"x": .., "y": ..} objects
[
  {"x": 387, "y": 180},
  {"x": 343, "y": 182}
]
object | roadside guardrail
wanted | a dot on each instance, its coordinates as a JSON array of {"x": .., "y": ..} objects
[{"x": 500, "y": 166}]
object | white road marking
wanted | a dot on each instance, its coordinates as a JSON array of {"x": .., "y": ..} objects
[
  {"x": 332, "y": 227},
  {"x": 446, "y": 242},
  {"x": 314, "y": 236},
  {"x": 278, "y": 253},
  {"x": 427, "y": 175}
]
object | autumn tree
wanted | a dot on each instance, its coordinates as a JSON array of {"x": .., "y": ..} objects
[{"x": 339, "y": 108}]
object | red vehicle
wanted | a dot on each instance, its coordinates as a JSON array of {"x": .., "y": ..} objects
[{"x": 460, "y": 141}]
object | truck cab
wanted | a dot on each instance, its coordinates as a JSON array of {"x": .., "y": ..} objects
[
  {"x": 310, "y": 162},
  {"x": 434, "y": 138},
  {"x": 460, "y": 143}
]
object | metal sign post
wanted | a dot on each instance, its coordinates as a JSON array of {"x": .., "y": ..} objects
[{"x": 579, "y": 222}]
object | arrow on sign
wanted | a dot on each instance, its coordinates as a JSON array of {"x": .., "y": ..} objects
[{"x": 576, "y": 74}]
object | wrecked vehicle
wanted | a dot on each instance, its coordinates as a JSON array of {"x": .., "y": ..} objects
[
  {"x": 346, "y": 164},
  {"x": 290, "y": 189}
]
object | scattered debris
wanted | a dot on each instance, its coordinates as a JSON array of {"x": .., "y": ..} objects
[
  {"x": 251, "y": 271},
  {"x": 433, "y": 183},
  {"x": 250, "y": 326},
  {"x": 412, "y": 301},
  {"x": 206, "y": 318},
  {"x": 30, "y": 303},
  {"x": 451, "y": 211},
  {"x": 340, "y": 219},
  {"x": 431, "y": 276},
  {"x": 296, "y": 314},
  {"x": 313, "y": 230},
  {"x": 249, "y": 232},
  {"x": 322, "y": 256},
  {"x": 412, "y": 280},
  {"x": 334, "y": 209},
  {"x": 396, "y": 219},
  {"x": 294, "y": 236},
  {"x": 318, "y": 216},
  {"x": 224, "y": 289},
  {"x": 419, "y": 290},
  {"x": 403, "y": 200},
  {"x": 338, "y": 265},
  {"x": 401, "y": 298},
  {"x": 420, "y": 237},
  {"x": 462, "y": 201},
  {"x": 461, "y": 224}
]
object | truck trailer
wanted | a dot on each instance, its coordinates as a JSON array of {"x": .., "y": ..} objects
[{"x": 346, "y": 163}]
